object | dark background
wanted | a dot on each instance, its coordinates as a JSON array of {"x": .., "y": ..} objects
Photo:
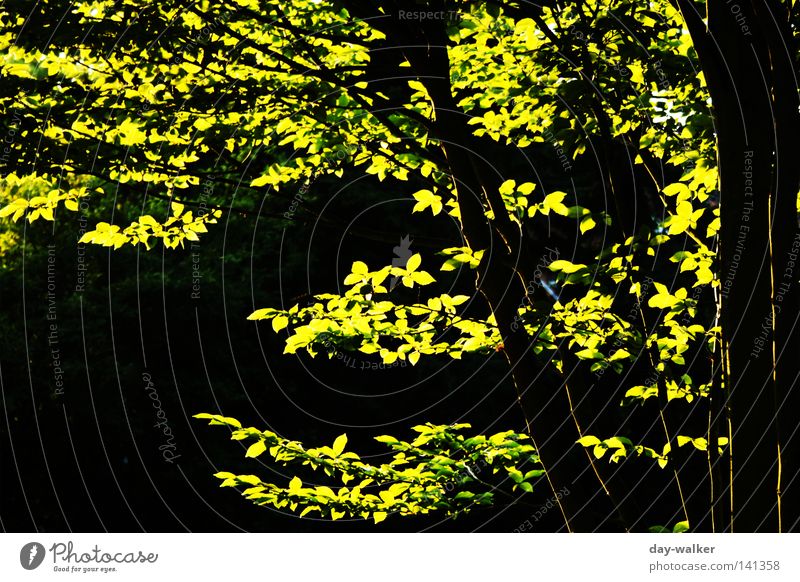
[{"x": 89, "y": 459}]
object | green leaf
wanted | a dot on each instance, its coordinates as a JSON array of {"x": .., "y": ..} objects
[
  {"x": 662, "y": 301},
  {"x": 426, "y": 198},
  {"x": 677, "y": 189},
  {"x": 588, "y": 441},
  {"x": 256, "y": 449},
  {"x": 337, "y": 514},
  {"x": 621, "y": 354},
  {"x": 565, "y": 266},
  {"x": 589, "y": 354},
  {"x": 249, "y": 479},
  {"x": 279, "y": 322},
  {"x": 526, "y": 188},
  {"x": 515, "y": 474},
  {"x": 339, "y": 444},
  {"x": 554, "y": 202},
  {"x": 587, "y": 224},
  {"x": 681, "y": 527},
  {"x": 534, "y": 474},
  {"x": 379, "y": 516},
  {"x": 414, "y": 262},
  {"x": 507, "y": 187},
  {"x": 422, "y": 278},
  {"x": 615, "y": 443}
]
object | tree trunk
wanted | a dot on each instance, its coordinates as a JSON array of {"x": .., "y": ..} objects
[
  {"x": 747, "y": 57},
  {"x": 548, "y": 412}
]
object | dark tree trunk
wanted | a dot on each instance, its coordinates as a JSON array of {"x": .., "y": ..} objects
[
  {"x": 546, "y": 404},
  {"x": 747, "y": 56}
]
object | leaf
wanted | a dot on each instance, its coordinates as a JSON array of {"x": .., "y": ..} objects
[
  {"x": 704, "y": 276},
  {"x": 353, "y": 278},
  {"x": 533, "y": 474},
  {"x": 295, "y": 484},
  {"x": 617, "y": 455},
  {"x": 450, "y": 265},
  {"x": 337, "y": 514},
  {"x": 681, "y": 527},
  {"x": 713, "y": 227},
  {"x": 589, "y": 354},
  {"x": 279, "y": 322},
  {"x": 616, "y": 442},
  {"x": 515, "y": 474},
  {"x": 325, "y": 492},
  {"x": 662, "y": 301},
  {"x": 256, "y": 449},
  {"x": 507, "y": 187},
  {"x": 249, "y": 479},
  {"x": 678, "y": 224},
  {"x": 308, "y": 510},
  {"x": 261, "y": 313},
  {"x": 339, "y": 444},
  {"x": 588, "y": 441},
  {"x": 261, "y": 181},
  {"x": 413, "y": 262},
  {"x": 677, "y": 189},
  {"x": 220, "y": 420},
  {"x": 379, "y": 516},
  {"x": 554, "y": 202},
  {"x": 565, "y": 266},
  {"x": 636, "y": 73},
  {"x": 621, "y": 354},
  {"x": 587, "y": 224},
  {"x": 426, "y": 198},
  {"x": 422, "y": 278},
  {"x": 526, "y": 188},
  {"x": 18, "y": 205}
]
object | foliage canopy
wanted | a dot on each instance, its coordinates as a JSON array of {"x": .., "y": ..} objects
[{"x": 582, "y": 125}]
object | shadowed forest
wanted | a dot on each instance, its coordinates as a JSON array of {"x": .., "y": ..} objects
[{"x": 432, "y": 266}]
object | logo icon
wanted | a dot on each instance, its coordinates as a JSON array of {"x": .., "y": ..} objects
[
  {"x": 31, "y": 555},
  {"x": 402, "y": 253}
]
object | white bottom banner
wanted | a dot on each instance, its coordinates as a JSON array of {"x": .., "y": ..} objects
[{"x": 406, "y": 557}]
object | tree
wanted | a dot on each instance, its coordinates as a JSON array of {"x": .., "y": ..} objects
[
  {"x": 573, "y": 145},
  {"x": 757, "y": 135}
]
